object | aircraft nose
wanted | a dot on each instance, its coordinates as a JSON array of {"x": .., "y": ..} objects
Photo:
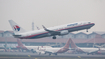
[{"x": 93, "y": 24}]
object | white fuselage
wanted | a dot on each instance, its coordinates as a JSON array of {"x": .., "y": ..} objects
[
  {"x": 63, "y": 29},
  {"x": 50, "y": 50},
  {"x": 89, "y": 50},
  {"x": 36, "y": 47}
]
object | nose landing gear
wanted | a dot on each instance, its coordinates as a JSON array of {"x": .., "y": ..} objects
[{"x": 54, "y": 37}]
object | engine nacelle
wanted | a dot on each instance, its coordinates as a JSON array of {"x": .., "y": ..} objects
[
  {"x": 64, "y": 32},
  {"x": 42, "y": 52},
  {"x": 32, "y": 50}
]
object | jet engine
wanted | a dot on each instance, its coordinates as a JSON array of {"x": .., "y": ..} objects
[
  {"x": 42, "y": 52},
  {"x": 64, "y": 32}
]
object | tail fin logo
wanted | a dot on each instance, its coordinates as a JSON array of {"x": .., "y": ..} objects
[{"x": 17, "y": 28}]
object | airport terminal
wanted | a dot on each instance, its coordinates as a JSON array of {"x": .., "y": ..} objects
[
  {"x": 49, "y": 42},
  {"x": 59, "y": 29}
]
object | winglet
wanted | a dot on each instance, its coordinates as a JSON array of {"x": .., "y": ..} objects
[
  {"x": 45, "y": 28},
  {"x": 51, "y": 31}
]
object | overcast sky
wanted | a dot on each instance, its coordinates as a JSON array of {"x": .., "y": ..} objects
[{"x": 52, "y": 13}]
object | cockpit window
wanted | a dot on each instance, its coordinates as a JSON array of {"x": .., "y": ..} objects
[{"x": 89, "y": 22}]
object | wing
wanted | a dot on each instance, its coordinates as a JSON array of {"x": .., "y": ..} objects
[
  {"x": 50, "y": 51},
  {"x": 92, "y": 51},
  {"x": 51, "y": 31}
]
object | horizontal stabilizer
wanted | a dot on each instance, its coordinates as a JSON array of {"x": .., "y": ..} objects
[{"x": 38, "y": 28}]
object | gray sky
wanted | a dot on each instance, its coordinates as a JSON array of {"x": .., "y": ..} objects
[{"x": 52, "y": 13}]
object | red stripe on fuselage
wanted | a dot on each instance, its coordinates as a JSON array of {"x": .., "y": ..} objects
[
  {"x": 33, "y": 35},
  {"x": 75, "y": 26},
  {"x": 55, "y": 30}
]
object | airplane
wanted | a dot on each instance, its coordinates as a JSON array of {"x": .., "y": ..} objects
[
  {"x": 61, "y": 30},
  {"x": 101, "y": 51},
  {"x": 29, "y": 48},
  {"x": 83, "y": 50},
  {"x": 54, "y": 50}
]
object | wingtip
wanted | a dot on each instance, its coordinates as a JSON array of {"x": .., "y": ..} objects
[{"x": 43, "y": 26}]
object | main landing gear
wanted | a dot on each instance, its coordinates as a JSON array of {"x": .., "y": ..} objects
[
  {"x": 49, "y": 54},
  {"x": 54, "y": 37},
  {"x": 56, "y": 54},
  {"x": 86, "y": 30}
]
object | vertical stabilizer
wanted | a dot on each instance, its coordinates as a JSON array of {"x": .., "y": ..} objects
[
  {"x": 16, "y": 28},
  {"x": 67, "y": 44},
  {"x": 73, "y": 45},
  {"x": 19, "y": 43}
]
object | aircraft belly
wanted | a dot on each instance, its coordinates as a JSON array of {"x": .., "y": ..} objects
[{"x": 39, "y": 36}]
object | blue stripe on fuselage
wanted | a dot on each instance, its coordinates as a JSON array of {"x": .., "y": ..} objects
[{"x": 71, "y": 29}]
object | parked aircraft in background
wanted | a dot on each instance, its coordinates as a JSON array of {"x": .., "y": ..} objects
[
  {"x": 54, "y": 50},
  {"x": 100, "y": 46},
  {"x": 101, "y": 51},
  {"x": 83, "y": 50},
  {"x": 29, "y": 48},
  {"x": 19, "y": 32}
]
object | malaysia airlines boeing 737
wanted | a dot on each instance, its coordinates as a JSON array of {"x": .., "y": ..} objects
[{"x": 61, "y": 30}]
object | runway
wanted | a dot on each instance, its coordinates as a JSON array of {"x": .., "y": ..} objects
[{"x": 23, "y": 55}]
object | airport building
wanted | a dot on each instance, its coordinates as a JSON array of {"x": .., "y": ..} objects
[{"x": 81, "y": 39}]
